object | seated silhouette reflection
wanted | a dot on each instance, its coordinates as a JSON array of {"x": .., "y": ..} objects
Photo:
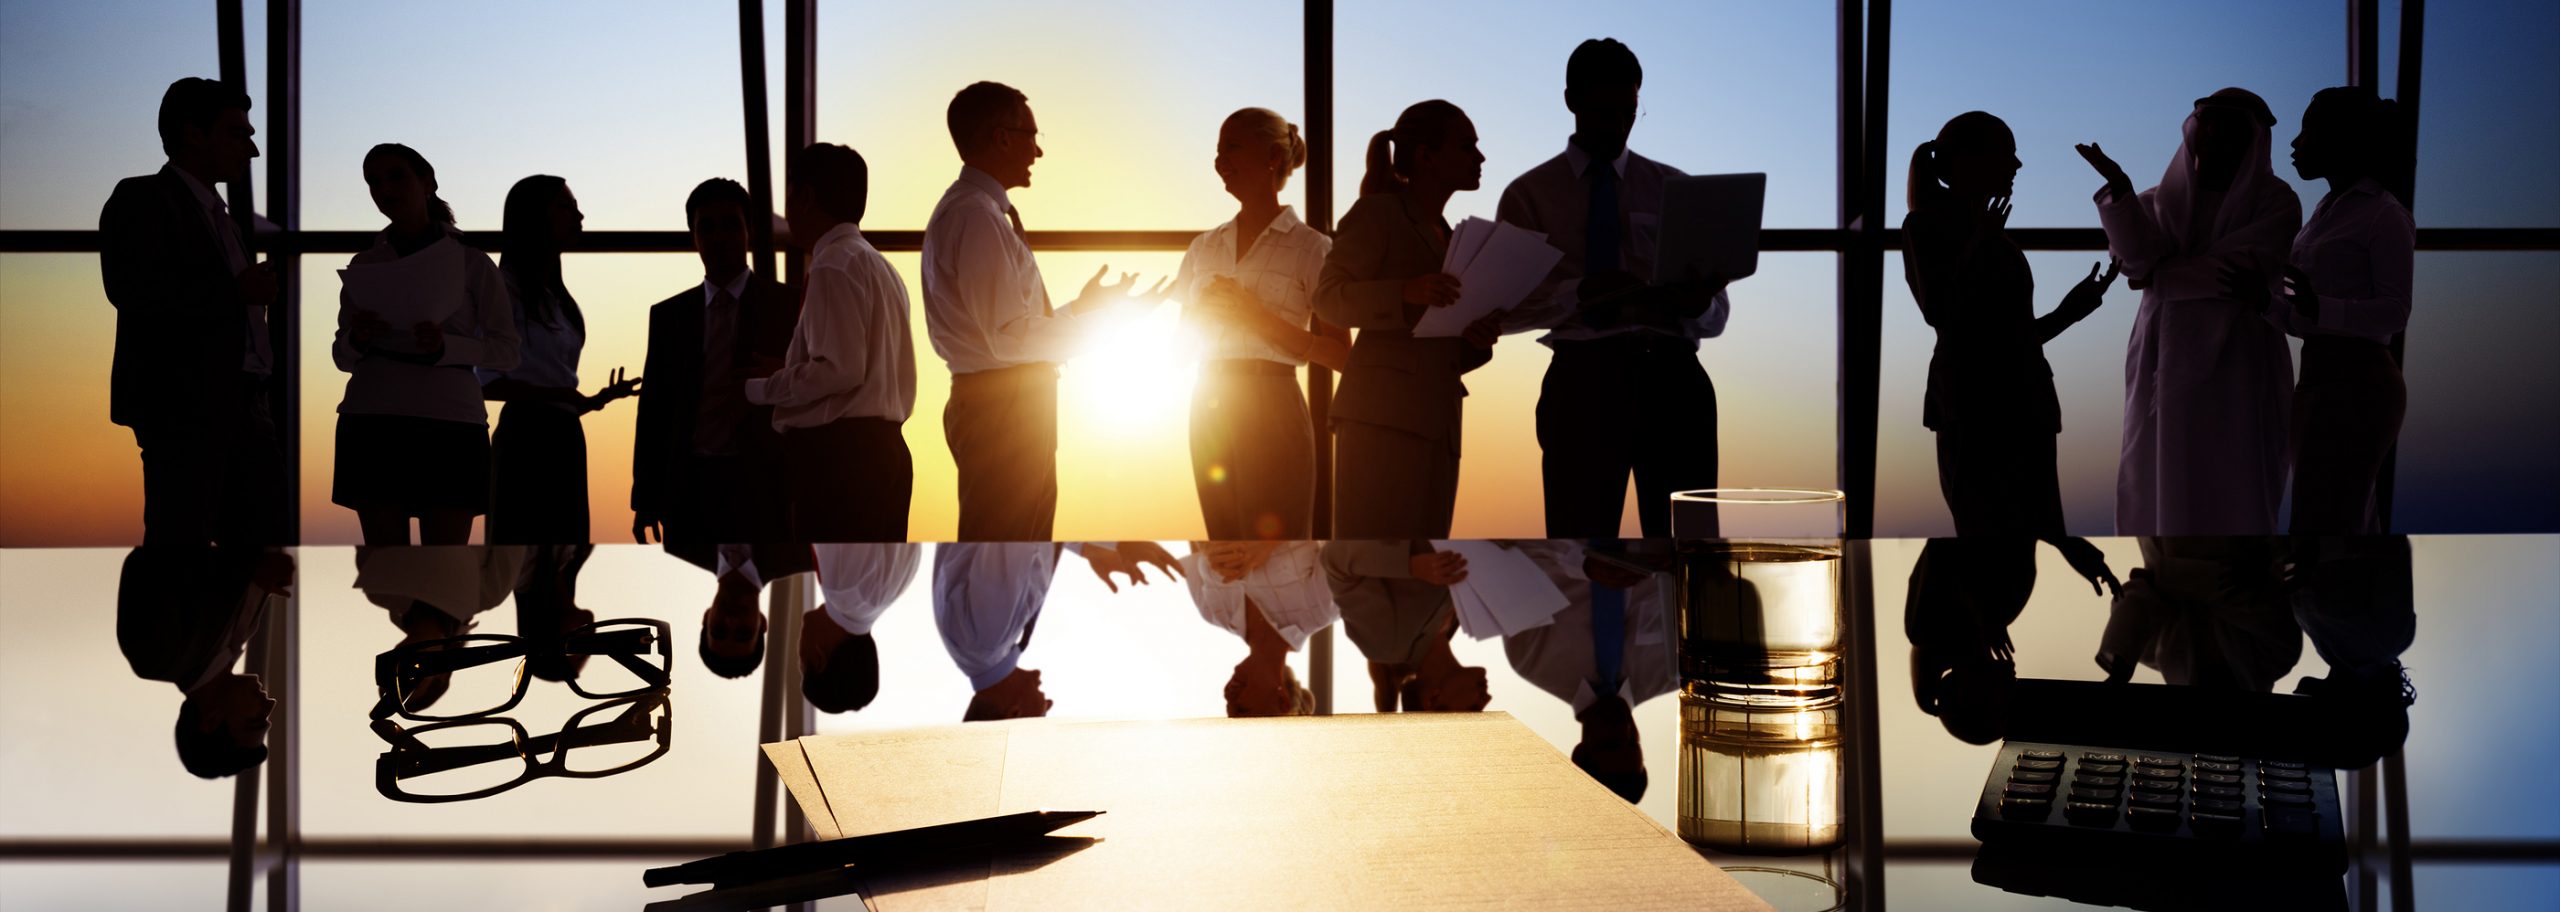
[
  {"x": 1394, "y": 598},
  {"x": 184, "y": 615},
  {"x": 839, "y": 663},
  {"x": 1273, "y": 595},
  {"x": 987, "y": 598}
]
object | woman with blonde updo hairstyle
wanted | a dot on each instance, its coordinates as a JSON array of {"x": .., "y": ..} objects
[{"x": 1248, "y": 287}]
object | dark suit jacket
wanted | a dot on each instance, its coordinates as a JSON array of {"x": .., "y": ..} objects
[
  {"x": 662, "y": 471},
  {"x": 181, "y": 329},
  {"x": 1394, "y": 380},
  {"x": 174, "y": 607}
]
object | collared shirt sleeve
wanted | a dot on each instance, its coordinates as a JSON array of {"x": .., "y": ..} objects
[
  {"x": 1005, "y": 314},
  {"x": 983, "y": 597},
  {"x": 2360, "y": 266},
  {"x": 829, "y": 352},
  {"x": 1552, "y": 302},
  {"x": 861, "y": 580},
  {"x": 494, "y": 311},
  {"x": 1351, "y": 292}
]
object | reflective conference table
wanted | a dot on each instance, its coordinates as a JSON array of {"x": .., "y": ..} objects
[{"x": 97, "y": 812}]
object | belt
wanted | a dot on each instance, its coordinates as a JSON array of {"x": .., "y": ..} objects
[
  {"x": 1632, "y": 343},
  {"x": 1250, "y": 366},
  {"x": 1019, "y": 373}
]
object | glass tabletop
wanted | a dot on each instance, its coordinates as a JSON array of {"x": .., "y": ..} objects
[{"x": 92, "y": 792}]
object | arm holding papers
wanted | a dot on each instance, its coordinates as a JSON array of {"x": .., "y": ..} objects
[{"x": 1497, "y": 266}]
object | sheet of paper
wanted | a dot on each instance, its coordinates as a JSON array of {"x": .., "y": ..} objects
[
  {"x": 1465, "y": 242},
  {"x": 1421, "y": 811},
  {"x": 424, "y": 287},
  {"x": 1512, "y": 593},
  {"x": 791, "y": 765},
  {"x": 1511, "y": 263}
]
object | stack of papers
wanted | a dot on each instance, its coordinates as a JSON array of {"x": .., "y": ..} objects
[
  {"x": 423, "y": 287},
  {"x": 1504, "y": 592},
  {"x": 1414, "y": 812},
  {"x": 1497, "y": 265}
]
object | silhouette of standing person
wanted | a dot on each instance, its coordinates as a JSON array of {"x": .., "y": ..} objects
[
  {"x": 192, "y": 357},
  {"x": 413, "y": 436},
  {"x": 539, "y": 452},
  {"x": 987, "y": 599},
  {"x": 1625, "y": 394},
  {"x": 1250, "y": 284},
  {"x": 1610, "y": 650},
  {"x": 857, "y": 582},
  {"x": 1397, "y": 418},
  {"x": 1395, "y": 604},
  {"x": 2206, "y": 377},
  {"x": 1272, "y": 595},
  {"x": 706, "y": 464},
  {"x": 184, "y": 615},
  {"x": 991, "y": 320},
  {"x": 843, "y": 390},
  {"x": 2346, "y": 293},
  {"x": 1991, "y": 398}
]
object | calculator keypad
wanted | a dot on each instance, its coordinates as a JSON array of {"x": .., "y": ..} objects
[{"x": 2209, "y": 796}]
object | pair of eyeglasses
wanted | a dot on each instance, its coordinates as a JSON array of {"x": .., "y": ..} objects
[
  {"x": 477, "y": 758},
  {"x": 470, "y": 676}
]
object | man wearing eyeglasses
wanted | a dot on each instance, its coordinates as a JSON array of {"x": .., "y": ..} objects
[
  {"x": 1625, "y": 394},
  {"x": 990, "y": 318}
]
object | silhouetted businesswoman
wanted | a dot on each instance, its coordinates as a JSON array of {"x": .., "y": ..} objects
[
  {"x": 706, "y": 464},
  {"x": 1249, "y": 286},
  {"x": 2346, "y": 293},
  {"x": 1991, "y": 397},
  {"x": 192, "y": 356},
  {"x": 539, "y": 462},
  {"x": 413, "y": 434},
  {"x": 1396, "y": 419},
  {"x": 1625, "y": 393},
  {"x": 991, "y": 321},
  {"x": 842, "y": 394}
]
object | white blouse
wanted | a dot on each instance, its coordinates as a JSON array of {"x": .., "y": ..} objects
[
  {"x": 1280, "y": 270},
  {"x": 481, "y": 333},
  {"x": 2358, "y": 247}
]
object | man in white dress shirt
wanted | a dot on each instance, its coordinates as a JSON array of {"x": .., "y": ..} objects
[
  {"x": 839, "y": 663},
  {"x": 1625, "y": 393},
  {"x": 1273, "y": 595},
  {"x": 1607, "y": 652},
  {"x": 987, "y": 597},
  {"x": 991, "y": 319},
  {"x": 843, "y": 392}
]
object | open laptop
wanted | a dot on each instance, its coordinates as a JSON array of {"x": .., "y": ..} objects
[{"x": 1710, "y": 222}]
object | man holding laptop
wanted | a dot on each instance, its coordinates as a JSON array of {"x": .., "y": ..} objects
[{"x": 1625, "y": 392}]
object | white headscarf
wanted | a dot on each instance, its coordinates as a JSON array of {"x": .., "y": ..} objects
[{"x": 2255, "y": 191}]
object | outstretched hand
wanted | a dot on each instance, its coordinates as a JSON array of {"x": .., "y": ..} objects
[
  {"x": 614, "y": 388},
  {"x": 2085, "y": 297},
  {"x": 1439, "y": 568},
  {"x": 1130, "y": 558},
  {"x": 2118, "y": 185},
  {"x": 2090, "y": 564},
  {"x": 1993, "y": 217},
  {"x": 1097, "y": 294}
]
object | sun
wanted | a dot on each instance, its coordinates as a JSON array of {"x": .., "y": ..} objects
[{"x": 1134, "y": 373}]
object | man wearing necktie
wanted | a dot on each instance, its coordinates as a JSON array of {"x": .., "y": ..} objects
[
  {"x": 707, "y": 465},
  {"x": 990, "y": 318},
  {"x": 1607, "y": 652},
  {"x": 193, "y": 361},
  {"x": 1625, "y": 393}
]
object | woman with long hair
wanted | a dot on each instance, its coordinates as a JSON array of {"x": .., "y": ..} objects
[
  {"x": 413, "y": 436},
  {"x": 2346, "y": 293},
  {"x": 1396, "y": 418},
  {"x": 1990, "y": 398},
  {"x": 2207, "y": 378},
  {"x": 1250, "y": 285},
  {"x": 539, "y": 495}
]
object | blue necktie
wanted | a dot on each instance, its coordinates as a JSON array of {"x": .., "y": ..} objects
[
  {"x": 1608, "y": 636},
  {"x": 1600, "y": 228}
]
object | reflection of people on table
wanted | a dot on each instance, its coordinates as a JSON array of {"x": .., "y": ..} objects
[
  {"x": 987, "y": 598},
  {"x": 1964, "y": 594},
  {"x": 435, "y": 592},
  {"x": 1606, "y": 653},
  {"x": 2210, "y": 612},
  {"x": 1273, "y": 595},
  {"x": 733, "y": 628},
  {"x": 1394, "y": 598},
  {"x": 184, "y": 615},
  {"x": 839, "y": 663}
]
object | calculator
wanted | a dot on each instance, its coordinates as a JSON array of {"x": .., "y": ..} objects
[{"x": 2199, "y": 806}]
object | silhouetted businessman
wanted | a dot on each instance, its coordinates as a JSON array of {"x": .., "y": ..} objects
[
  {"x": 1610, "y": 649},
  {"x": 842, "y": 394},
  {"x": 707, "y": 467},
  {"x": 987, "y": 598},
  {"x": 991, "y": 320},
  {"x": 184, "y": 615},
  {"x": 1625, "y": 393},
  {"x": 193, "y": 358}
]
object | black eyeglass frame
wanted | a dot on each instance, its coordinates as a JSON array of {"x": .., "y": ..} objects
[
  {"x": 398, "y": 669},
  {"x": 410, "y": 757}
]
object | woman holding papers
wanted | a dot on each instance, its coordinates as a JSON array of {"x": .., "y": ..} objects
[
  {"x": 1396, "y": 416},
  {"x": 540, "y": 469},
  {"x": 2206, "y": 376},
  {"x": 1249, "y": 284},
  {"x": 2346, "y": 293},
  {"x": 1991, "y": 398},
  {"x": 417, "y": 312}
]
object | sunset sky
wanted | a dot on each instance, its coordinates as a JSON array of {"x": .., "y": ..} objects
[{"x": 633, "y": 109}]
